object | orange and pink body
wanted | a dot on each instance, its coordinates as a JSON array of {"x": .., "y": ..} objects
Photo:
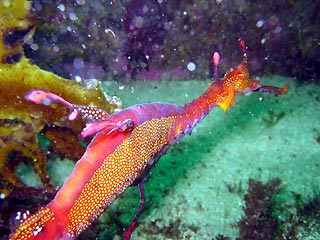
[{"x": 126, "y": 146}]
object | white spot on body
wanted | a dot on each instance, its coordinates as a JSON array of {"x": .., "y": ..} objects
[{"x": 37, "y": 230}]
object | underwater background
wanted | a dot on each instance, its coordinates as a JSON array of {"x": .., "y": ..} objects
[{"x": 249, "y": 173}]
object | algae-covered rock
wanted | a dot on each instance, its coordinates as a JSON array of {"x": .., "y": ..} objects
[
  {"x": 22, "y": 121},
  {"x": 15, "y": 28}
]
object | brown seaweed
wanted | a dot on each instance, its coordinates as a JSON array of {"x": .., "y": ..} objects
[{"x": 21, "y": 121}]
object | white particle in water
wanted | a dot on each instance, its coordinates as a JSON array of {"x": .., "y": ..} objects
[
  {"x": 278, "y": 29},
  {"x": 191, "y": 66},
  {"x": 61, "y": 7},
  {"x": 108, "y": 30},
  {"x": 34, "y": 46},
  {"x": 78, "y": 63},
  {"x": 73, "y": 16},
  {"x": 6, "y": 3},
  {"x": 77, "y": 78},
  {"x": 137, "y": 22},
  {"x": 260, "y": 23},
  {"x": 145, "y": 9},
  {"x": 81, "y": 2},
  {"x": 143, "y": 65},
  {"x": 55, "y": 48},
  {"x": 2, "y": 196}
]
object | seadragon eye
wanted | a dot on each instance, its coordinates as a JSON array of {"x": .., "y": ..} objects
[{"x": 128, "y": 123}]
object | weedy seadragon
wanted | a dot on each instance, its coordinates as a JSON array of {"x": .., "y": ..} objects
[{"x": 126, "y": 146}]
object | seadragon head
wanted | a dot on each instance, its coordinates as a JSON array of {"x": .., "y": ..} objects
[{"x": 238, "y": 81}]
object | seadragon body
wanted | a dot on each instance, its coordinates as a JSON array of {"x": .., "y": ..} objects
[{"x": 126, "y": 146}]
